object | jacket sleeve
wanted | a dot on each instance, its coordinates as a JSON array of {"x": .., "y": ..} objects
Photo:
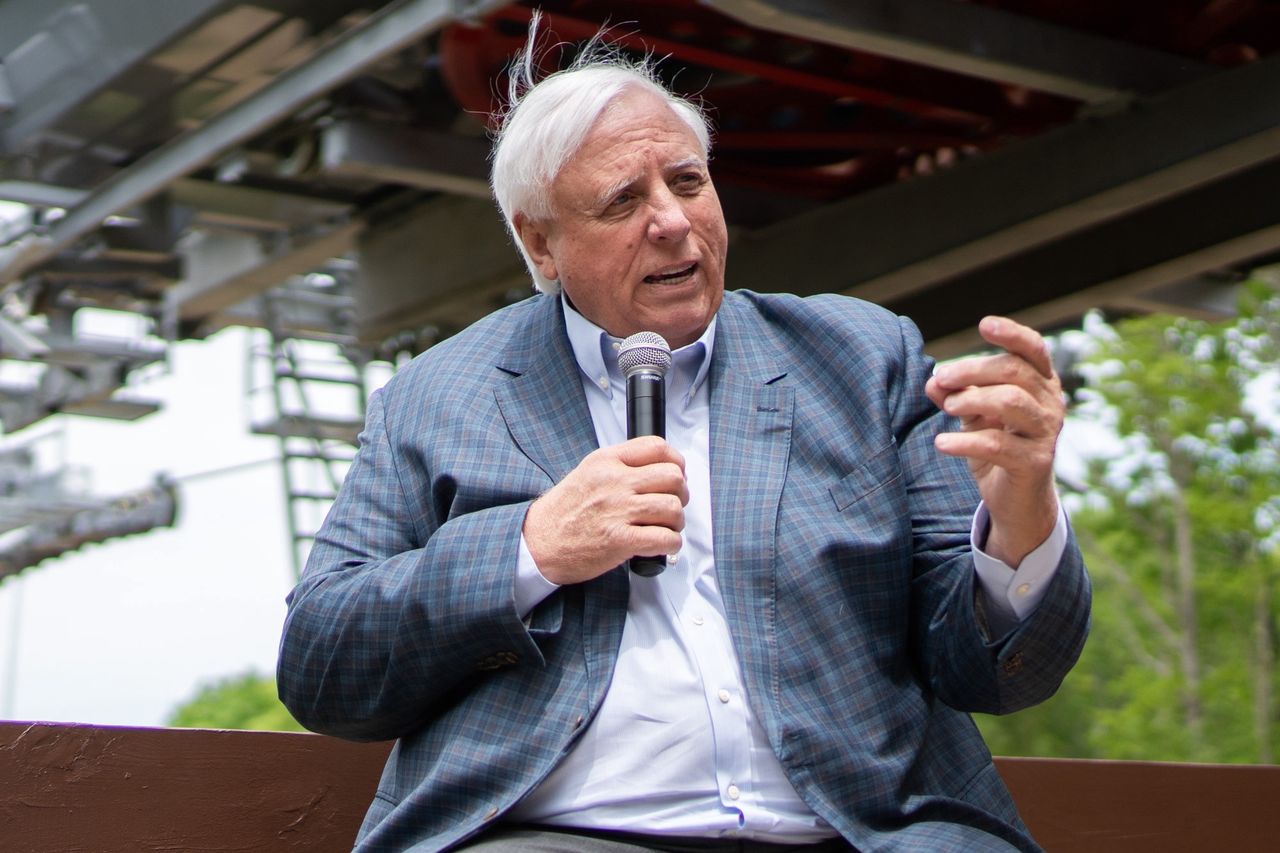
[
  {"x": 964, "y": 666},
  {"x": 395, "y": 612}
]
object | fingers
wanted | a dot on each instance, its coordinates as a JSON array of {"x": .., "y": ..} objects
[
  {"x": 1003, "y": 369},
  {"x": 647, "y": 465},
  {"x": 1002, "y": 400},
  {"x": 645, "y": 450},
  {"x": 661, "y": 510},
  {"x": 1020, "y": 340},
  {"x": 1002, "y": 407},
  {"x": 1011, "y": 408},
  {"x": 618, "y": 502},
  {"x": 1016, "y": 389},
  {"x": 652, "y": 541},
  {"x": 999, "y": 448},
  {"x": 660, "y": 477}
]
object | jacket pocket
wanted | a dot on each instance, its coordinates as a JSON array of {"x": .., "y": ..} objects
[{"x": 879, "y": 470}]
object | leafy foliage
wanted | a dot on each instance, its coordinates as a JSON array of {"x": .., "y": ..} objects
[
  {"x": 1180, "y": 525},
  {"x": 246, "y": 701}
]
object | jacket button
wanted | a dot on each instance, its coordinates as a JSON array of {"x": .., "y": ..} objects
[
  {"x": 497, "y": 660},
  {"x": 1013, "y": 664}
]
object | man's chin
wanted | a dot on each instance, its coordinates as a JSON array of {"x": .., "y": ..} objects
[{"x": 681, "y": 331}]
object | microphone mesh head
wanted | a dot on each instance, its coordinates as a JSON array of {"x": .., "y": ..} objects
[{"x": 644, "y": 350}]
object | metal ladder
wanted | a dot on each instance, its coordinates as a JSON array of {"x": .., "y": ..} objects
[{"x": 317, "y": 378}]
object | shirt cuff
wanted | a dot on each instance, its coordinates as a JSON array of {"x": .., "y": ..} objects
[
  {"x": 1012, "y": 596},
  {"x": 531, "y": 586}
]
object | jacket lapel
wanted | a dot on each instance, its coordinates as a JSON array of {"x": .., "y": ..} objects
[
  {"x": 752, "y": 407},
  {"x": 543, "y": 404},
  {"x": 546, "y": 412}
]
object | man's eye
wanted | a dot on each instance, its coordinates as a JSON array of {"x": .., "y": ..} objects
[{"x": 688, "y": 181}]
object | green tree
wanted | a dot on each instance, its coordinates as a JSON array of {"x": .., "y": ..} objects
[
  {"x": 1181, "y": 531},
  {"x": 246, "y": 701}
]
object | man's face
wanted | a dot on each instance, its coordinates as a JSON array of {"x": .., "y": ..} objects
[{"x": 636, "y": 236}]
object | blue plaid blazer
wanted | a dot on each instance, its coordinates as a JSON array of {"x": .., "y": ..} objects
[{"x": 841, "y": 550}]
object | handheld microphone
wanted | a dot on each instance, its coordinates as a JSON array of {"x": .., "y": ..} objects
[{"x": 644, "y": 359}]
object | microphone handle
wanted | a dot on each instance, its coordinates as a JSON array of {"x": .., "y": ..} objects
[{"x": 646, "y": 415}]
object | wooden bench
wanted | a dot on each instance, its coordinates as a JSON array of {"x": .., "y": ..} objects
[{"x": 99, "y": 789}]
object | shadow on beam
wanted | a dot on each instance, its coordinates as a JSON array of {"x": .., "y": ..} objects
[{"x": 112, "y": 790}]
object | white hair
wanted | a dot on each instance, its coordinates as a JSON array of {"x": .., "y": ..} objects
[{"x": 545, "y": 122}]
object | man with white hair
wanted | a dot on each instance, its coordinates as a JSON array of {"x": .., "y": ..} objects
[{"x": 861, "y": 550}]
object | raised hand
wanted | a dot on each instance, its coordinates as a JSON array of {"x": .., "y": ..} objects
[{"x": 1011, "y": 408}]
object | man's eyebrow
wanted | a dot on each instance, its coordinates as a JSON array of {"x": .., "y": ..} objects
[
  {"x": 688, "y": 162},
  {"x": 618, "y": 186}
]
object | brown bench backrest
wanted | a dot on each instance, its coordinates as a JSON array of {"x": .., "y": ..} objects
[{"x": 104, "y": 789}]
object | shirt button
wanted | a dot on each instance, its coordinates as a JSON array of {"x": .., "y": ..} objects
[
  {"x": 723, "y": 696},
  {"x": 672, "y": 559},
  {"x": 603, "y": 382},
  {"x": 1023, "y": 588},
  {"x": 698, "y": 620},
  {"x": 617, "y": 345},
  {"x": 733, "y": 792}
]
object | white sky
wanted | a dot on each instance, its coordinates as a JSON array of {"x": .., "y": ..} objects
[{"x": 122, "y": 632}]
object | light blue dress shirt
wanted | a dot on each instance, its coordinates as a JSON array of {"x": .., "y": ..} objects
[{"x": 675, "y": 748}]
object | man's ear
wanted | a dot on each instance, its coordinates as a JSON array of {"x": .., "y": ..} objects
[{"x": 533, "y": 236}]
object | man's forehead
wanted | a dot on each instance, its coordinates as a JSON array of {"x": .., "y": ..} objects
[{"x": 639, "y": 116}]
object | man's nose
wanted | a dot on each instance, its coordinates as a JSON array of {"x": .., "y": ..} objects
[{"x": 669, "y": 221}]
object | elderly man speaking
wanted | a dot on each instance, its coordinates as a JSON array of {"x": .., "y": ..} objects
[{"x": 860, "y": 550}]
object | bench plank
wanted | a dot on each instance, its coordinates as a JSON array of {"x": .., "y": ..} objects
[{"x": 80, "y": 788}]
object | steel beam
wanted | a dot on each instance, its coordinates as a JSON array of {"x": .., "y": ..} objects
[
  {"x": 424, "y": 159},
  {"x": 1205, "y": 297},
  {"x": 107, "y": 518},
  {"x": 447, "y": 262},
  {"x": 239, "y": 206},
  {"x": 69, "y": 51},
  {"x": 217, "y": 204},
  {"x": 888, "y": 243},
  {"x": 40, "y": 195},
  {"x": 224, "y": 270},
  {"x": 1115, "y": 263},
  {"x": 388, "y": 30},
  {"x": 298, "y": 315},
  {"x": 7, "y": 101},
  {"x": 975, "y": 40}
]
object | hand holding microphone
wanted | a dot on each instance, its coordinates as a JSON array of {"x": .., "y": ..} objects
[
  {"x": 644, "y": 359},
  {"x": 621, "y": 502}
]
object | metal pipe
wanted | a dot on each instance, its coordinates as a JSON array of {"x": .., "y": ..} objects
[{"x": 390, "y": 29}]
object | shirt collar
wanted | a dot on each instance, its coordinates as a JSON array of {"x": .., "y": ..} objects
[{"x": 596, "y": 353}]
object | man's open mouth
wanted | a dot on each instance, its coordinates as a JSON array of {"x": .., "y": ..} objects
[{"x": 678, "y": 275}]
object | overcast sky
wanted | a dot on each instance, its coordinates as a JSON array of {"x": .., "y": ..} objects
[{"x": 122, "y": 632}]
